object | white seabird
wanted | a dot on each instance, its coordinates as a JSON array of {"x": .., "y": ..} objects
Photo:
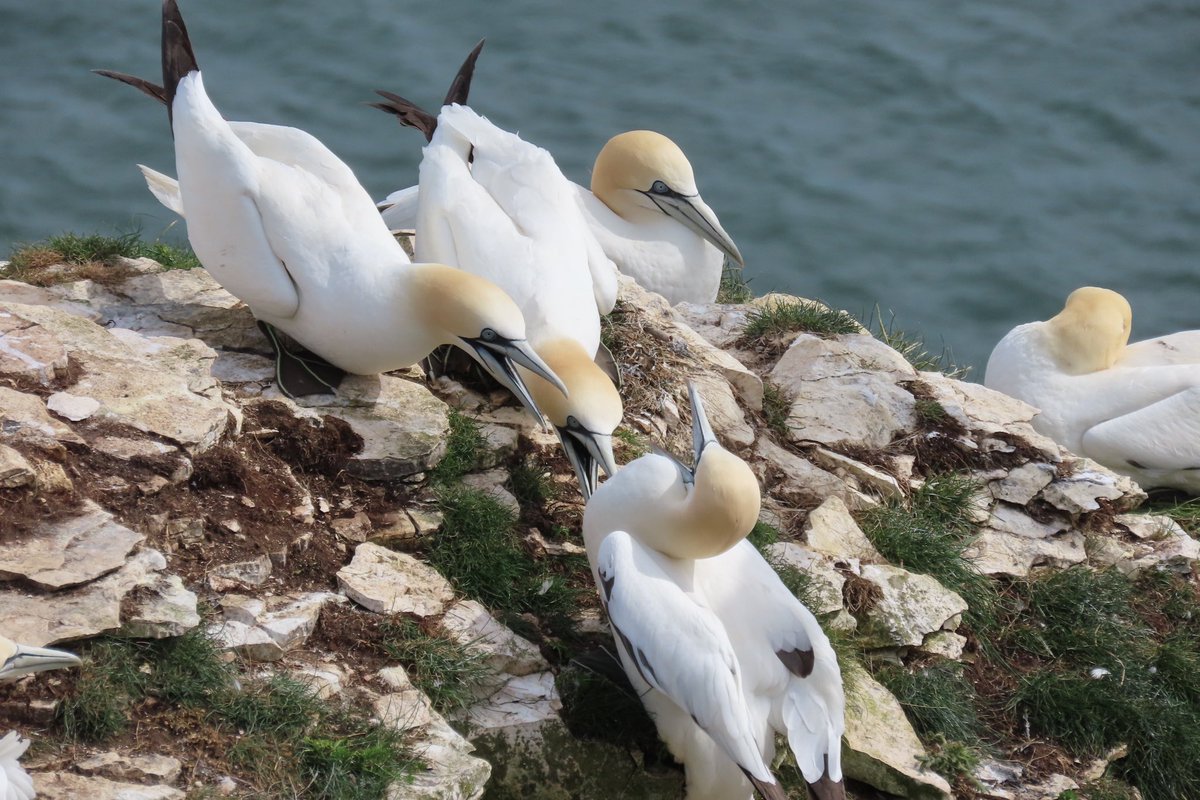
[
  {"x": 646, "y": 213},
  {"x": 497, "y": 206},
  {"x": 698, "y": 519},
  {"x": 1132, "y": 408},
  {"x": 17, "y": 660},
  {"x": 283, "y": 225},
  {"x": 679, "y": 647}
]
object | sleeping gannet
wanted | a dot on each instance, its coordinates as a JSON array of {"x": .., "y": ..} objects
[
  {"x": 1132, "y": 408},
  {"x": 679, "y": 647},
  {"x": 696, "y": 521},
  {"x": 17, "y": 660},
  {"x": 283, "y": 225},
  {"x": 647, "y": 215}
]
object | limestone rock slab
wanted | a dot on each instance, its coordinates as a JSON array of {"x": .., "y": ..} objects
[
  {"x": 831, "y": 529},
  {"x": 142, "y": 768},
  {"x": 912, "y": 605},
  {"x": 470, "y": 624},
  {"x": 827, "y": 582},
  {"x": 163, "y": 609},
  {"x": 14, "y": 469},
  {"x": 69, "y": 786},
  {"x": 69, "y": 552},
  {"x": 387, "y": 582}
]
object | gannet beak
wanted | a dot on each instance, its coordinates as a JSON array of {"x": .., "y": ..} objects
[
  {"x": 588, "y": 452},
  {"x": 498, "y": 357},
  {"x": 28, "y": 659},
  {"x": 694, "y": 213},
  {"x": 702, "y": 433}
]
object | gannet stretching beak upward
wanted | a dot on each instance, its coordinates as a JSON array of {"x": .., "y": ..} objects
[
  {"x": 1131, "y": 408},
  {"x": 498, "y": 207},
  {"x": 281, "y": 223},
  {"x": 680, "y": 648},
  {"x": 17, "y": 660},
  {"x": 20, "y": 659},
  {"x": 651, "y": 221},
  {"x": 692, "y": 522}
]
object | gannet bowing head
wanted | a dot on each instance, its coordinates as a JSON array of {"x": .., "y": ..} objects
[
  {"x": 585, "y": 418},
  {"x": 19, "y": 659},
  {"x": 1091, "y": 330},
  {"x": 476, "y": 315},
  {"x": 642, "y": 171},
  {"x": 726, "y": 489}
]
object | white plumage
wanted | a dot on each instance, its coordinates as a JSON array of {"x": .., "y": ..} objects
[
  {"x": 1131, "y": 408},
  {"x": 15, "y": 783}
]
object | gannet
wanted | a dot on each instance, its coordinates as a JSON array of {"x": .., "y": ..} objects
[
  {"x": 498, "y": 207},
  {"x": 283, "y": 225},
  {"x": 647, "y": 215},
  {"x": 679, "y": 647},
  {"x": 788, "y": 670},
  {"x": 1132, "y": 408},
  {"x": 17, "y": 660}
]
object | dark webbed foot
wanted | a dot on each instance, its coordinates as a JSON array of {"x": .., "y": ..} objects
[{"x": 299, "y": 372}]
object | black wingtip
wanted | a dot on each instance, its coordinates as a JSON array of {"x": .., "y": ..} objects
[
  {"x": 141, "y": 84},
  {"x": 768, "y": 791},
  {"x": 461, "y": 86},
  {"x": 177, "y": 57},
  {"x": 826, "y": 789},
  {"x": 409, "y": 113}
]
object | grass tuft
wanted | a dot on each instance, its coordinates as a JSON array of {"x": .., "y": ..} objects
[
  {"x": 734, "y": 286},
  {"x": 954, "y": 761},
  {"x": 91, "y": 256},
  {"x": 777, "y": 409},
  {"x": 532, "y": 483},
  {"x": 938, "y": 700},
  {"x": 439, "y": 666},
  {"x": 479, "y": 552},
  {"x": 798, "y": 316},
  {"x": 628, "y": 444},
  {"x": 930, "y": 534},
  {"x": 464, "y": 446},
  {"x": 763, "y": 535},
  {"x": 913, "y": 347}
]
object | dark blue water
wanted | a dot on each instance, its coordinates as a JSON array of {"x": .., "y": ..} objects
[{"x": 963, "y": 165}]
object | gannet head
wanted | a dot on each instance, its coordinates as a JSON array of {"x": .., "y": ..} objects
[
  {"x": 726, "y": 489},
  {"x": 587, "y": 416},
  {"x": 643, "y": 171},
  {"x": 477, "y": 316},
  {"x": 19, "y": 659},
  {"x": 615, "y": 550},
  {"x": 1091, "y": 330}
]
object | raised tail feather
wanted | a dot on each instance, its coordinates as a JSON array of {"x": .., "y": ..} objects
[
  {"x": 141, "y": 84},
  {"x": 178, "y": 60},
  {"x": 410, "y": 114},
  {"x": 460, "y": 87}
]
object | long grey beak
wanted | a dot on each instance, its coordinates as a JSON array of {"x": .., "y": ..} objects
[
  {"x": 588, "y": 452},
  {"x": 695, "y": 214},
  {"x": 702, "y": 433},
  {"x": 498, "y": 357},
  {"x": 28, "y": 659}
]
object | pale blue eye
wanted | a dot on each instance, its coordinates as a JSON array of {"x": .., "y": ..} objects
[{"x": 658, "y": 187}]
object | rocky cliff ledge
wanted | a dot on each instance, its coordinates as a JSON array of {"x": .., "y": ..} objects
[{"x": 405, "y": 557}]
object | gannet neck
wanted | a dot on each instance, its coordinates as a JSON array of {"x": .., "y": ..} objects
[
  {"x": 456, "y": 304},
  {"x": 1091, "y": 331},
  {"x": 719, "y": 511}
]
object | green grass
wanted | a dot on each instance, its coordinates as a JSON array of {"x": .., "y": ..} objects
[
  {"x": 443, "y": 669},
  {"x": 763, "y": 535},
  {"x": 285, "y": 741},
  {"x": 532, "y": 483},
  {"x": 930, "y": 411},
  {"x": 954, "y": 761},
  {"x": 777, "y": 409},
  {"x": 464, "y": 446},
  {"x": 479, "y": 551},
  {"x": 913, "y": 347},
  {"x": 734, "y": 286},
  {"x": 72, "y": 248},
  {"x": 938, "y": 700},
  {"x": 628, "y": 444},
  {"x": 1142, "y": 633},
  {"x": 1185, "y": 512},
  {"x": 798, "y": 316},
  {"x": 929, "y": 534}
]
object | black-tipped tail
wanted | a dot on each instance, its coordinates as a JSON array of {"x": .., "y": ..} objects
[
  {"x": 826, "y": 788},
  {"x": 409, "y": 113},
  {"x": 177, "y": 57},
  {"x": 461, "y": 87},
  {"x": 141, "y": 84},
  {"x": 768, "y": 791}
]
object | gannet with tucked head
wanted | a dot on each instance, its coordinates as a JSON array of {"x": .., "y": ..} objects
[
  {"x": 17, "y": 660},
  {"x": 283, "y": 225},
  {"x": 648, "y": 215},
  {"x": 1131, "y": 408},
  {"x": 498, "y": 207},
  {"x": 680, "y": 648},
  {"x": 788, "y": 670}
]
